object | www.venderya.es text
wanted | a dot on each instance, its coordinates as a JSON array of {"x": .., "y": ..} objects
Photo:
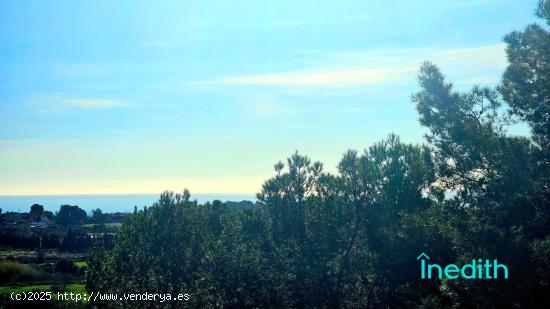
[{"x": 98, "y": 297}]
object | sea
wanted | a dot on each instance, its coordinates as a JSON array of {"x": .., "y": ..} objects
[{"x": 106, "y": 202}]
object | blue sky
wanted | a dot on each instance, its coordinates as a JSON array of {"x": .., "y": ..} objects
[{"x": 143, "y": 96}]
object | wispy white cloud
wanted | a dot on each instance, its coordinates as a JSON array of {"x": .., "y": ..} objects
[
  {"x": 359, "y": 68},
  {"x": 95, "y": 103},
  {"x": 488, "y": 57},
  {"x": 333, "y": 77}
]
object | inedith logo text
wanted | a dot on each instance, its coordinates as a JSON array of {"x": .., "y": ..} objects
[{"x": 477, "y": 269}]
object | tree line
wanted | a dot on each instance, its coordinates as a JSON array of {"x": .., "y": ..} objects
[{"x": 350, "y": 239}]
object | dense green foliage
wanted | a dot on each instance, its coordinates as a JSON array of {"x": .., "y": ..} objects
[
  {"x": 71, "y": 215},
  {"x": 351, "y": 239},
  {"x": 36, "y": 211}
]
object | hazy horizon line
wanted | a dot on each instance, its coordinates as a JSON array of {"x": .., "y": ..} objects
[{"x": 134, "y": 193}]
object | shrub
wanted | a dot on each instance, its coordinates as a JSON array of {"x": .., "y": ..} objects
[
  {"x": 11, "y": 271},
  {"x": 66, "y": 266}
]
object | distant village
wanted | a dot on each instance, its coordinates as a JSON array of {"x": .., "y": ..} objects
[{"x": 70, "y": 228}]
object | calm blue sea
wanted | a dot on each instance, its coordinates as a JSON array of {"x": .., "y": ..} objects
[{"x": 107, "y": 202}]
